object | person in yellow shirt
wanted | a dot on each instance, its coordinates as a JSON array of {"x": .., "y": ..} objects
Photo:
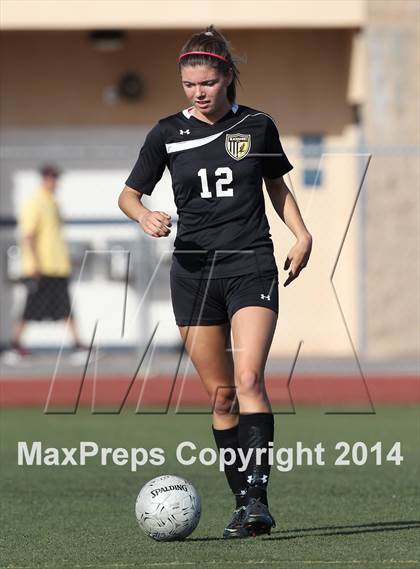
[{"x": 46, "y": 264}]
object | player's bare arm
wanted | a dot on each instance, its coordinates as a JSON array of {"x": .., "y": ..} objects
[
  {"x": 287, "y": 209},
  {"x": 154, "y": 223}
]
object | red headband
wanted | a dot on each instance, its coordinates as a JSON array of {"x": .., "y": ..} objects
[{"x": 203, "y": 53}]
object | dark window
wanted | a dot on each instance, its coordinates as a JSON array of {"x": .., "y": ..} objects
[{"x": 312, "y": 149}]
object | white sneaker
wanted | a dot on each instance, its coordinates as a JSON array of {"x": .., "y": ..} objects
[{"x": 16, "y": 356}]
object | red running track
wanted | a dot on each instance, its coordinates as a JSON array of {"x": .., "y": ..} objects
[{"x": 68, "y": 391}]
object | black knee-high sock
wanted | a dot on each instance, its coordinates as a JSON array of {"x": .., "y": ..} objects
[
  {"x": 256, "y": 430},
  {"x": 228, "y": 438}
]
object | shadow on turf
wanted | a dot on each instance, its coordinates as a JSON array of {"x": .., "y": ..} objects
[
  {"x": 374, "y": 527},
  {"x": 332, "y": 530}
]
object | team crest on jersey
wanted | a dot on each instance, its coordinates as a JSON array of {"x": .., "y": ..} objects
[{"x": 238, "y": 145}]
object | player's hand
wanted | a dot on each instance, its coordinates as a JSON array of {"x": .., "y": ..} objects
[
  {"x": 156, "y": 223},
  {"x": 298, "y": 257}
]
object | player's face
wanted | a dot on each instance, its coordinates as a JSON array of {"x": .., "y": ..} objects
[{"x": 206, "y": 88}]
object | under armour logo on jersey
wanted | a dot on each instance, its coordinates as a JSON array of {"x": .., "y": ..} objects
[
  {"x": 184, "y": 131},
  {"x": 265, "y": 297}
]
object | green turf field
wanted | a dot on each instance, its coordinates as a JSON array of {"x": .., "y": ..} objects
[{"x": 328, "y": 516}]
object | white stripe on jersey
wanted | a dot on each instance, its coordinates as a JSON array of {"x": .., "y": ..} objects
[{"x": 195, "y": 143}]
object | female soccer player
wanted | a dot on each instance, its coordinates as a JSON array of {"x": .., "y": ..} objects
[{"x": 224, "y": 278}]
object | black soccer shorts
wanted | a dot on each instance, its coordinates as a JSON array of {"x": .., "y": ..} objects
[{"x": 208, "y": 302}]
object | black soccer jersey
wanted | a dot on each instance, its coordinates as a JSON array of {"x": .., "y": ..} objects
[{"x": 217, "y": 171}]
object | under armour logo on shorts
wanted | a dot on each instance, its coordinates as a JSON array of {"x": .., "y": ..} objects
[
  {"x": 185, "y": 131},
  {"x": 265, "y": 297}
]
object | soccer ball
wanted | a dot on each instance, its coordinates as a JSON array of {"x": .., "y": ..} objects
[{"x": 168, "y": 508}]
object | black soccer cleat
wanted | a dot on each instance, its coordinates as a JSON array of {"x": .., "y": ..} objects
[
  {"x": 257, "y": 519},
  {"x": 235, "y": 528}
]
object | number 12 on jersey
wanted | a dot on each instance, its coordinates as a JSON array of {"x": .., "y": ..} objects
[{"x": 225, "y": 178}]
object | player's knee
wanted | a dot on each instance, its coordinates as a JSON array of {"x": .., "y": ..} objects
[
  {"x": 224, "y": 400},
  {"x": 248, "y": 383}
]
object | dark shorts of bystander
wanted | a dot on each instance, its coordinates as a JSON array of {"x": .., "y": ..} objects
[{"x": 47, "y": 298}]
